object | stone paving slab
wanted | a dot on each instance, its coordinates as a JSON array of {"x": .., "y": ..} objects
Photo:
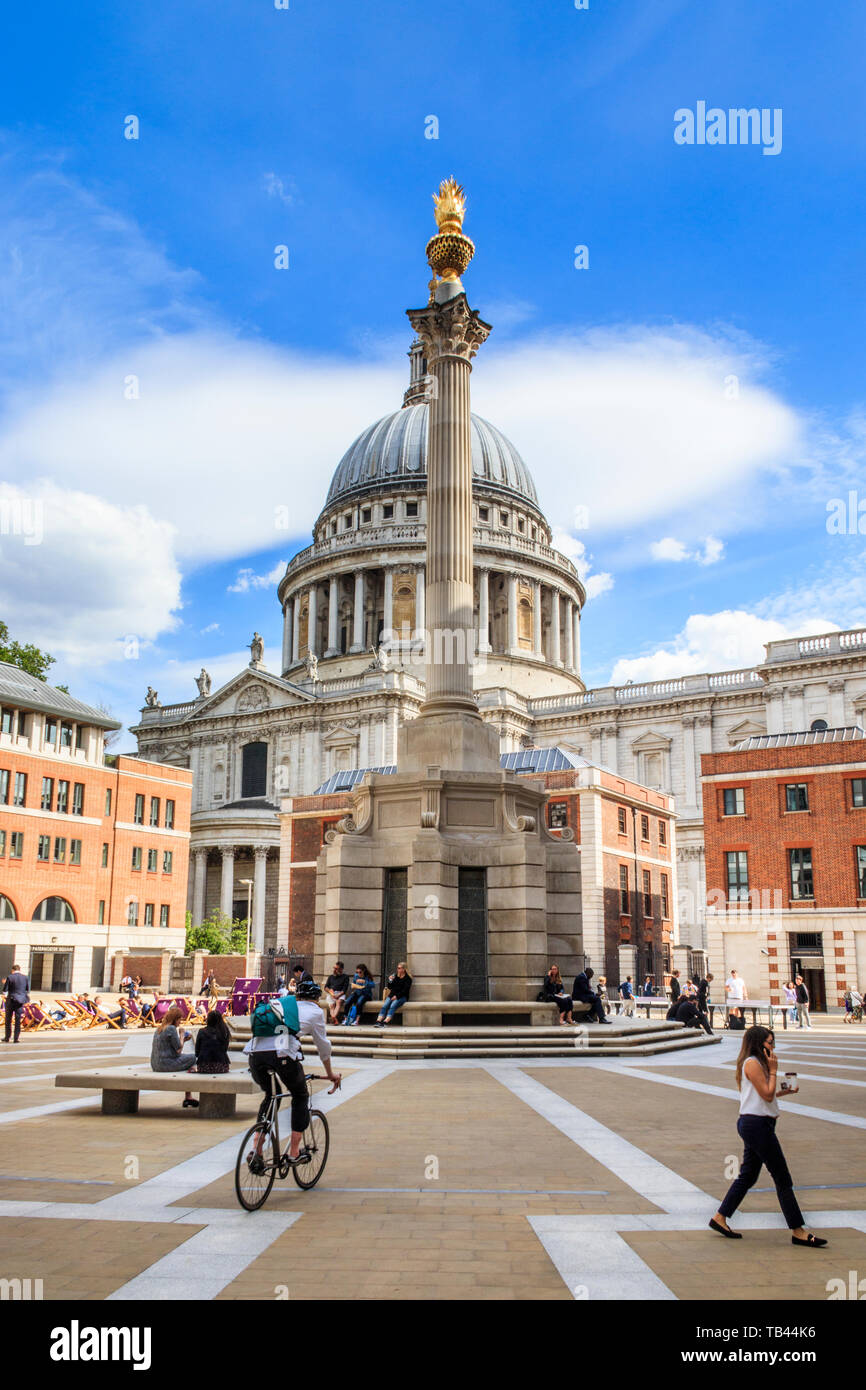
[{"x": 84, "y": 1260}]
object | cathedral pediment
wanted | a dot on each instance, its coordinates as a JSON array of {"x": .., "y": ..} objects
[
  {"x": 650, "y": 743},
  {"x": 747, "y": 728},
  {"x": 248, "y": 693}
]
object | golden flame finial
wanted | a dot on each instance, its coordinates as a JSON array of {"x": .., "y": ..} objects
[{"x": 450, "y": 206}]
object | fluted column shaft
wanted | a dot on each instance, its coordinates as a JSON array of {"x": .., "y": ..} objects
[
  {"x": 227, "y": 882},
  {"x": 420, "y": 601},
  {"x": 333, "y": 592},
  {"x": 569, "y": 636},
  {"x": 358, "y": 623},
  {"x": 388, "y": 608},
  {"x": 483, "y": 610},
  {"x": 313, "y": 621},
  {"x": 198, "y": 892},
  {"x": 512, "y": 614},
  {"x": 259, "y": 887},
  {"x": 555, "y": 656},
  {"x": 296, "y": 628},
  {"x": 537, "y": 630},
  {"x": 576, "y": 640}
]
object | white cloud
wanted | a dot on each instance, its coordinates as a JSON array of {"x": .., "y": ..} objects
[
  {"x": 211, "y": 627},
  {"x": 275, "y": 187},
  {"x": 668, "y": 548},
  {"x": 575, "y": 551},
  {"x": 248, "y": 580}
]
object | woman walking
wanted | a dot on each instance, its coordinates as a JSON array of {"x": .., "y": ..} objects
[{"x": 756, "y": 1077}]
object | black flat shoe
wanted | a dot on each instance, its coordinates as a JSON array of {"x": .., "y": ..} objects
[
  {"x": 193, "y": 1103},
  {"x": 725, "y": 1230},
  {"x": 815, "y": 1241}
]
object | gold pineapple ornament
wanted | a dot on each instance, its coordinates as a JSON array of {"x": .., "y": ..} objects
[{"x": 449, "y": 253}]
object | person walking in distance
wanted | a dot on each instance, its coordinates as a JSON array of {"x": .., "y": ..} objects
[
  {"x": 676, "y": 988},
  {"x": 16, "y": 987},
  {"x": 759, "y": 1110},
  {"x": 704, "y": 992},
  {"x": 626, "y": 994},
  {"x": 802, "y": 1003}
]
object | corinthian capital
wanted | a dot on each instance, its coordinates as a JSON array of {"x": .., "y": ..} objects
[{"x": 450, "y": 329}]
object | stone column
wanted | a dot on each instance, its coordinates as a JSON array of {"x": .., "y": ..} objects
[
  {"x": 836, "y": 691},
  {"x": 296, "y": 627},
  {"x": 555, "y": 655},
  {"x": 512, "y": 614},
  {"x": 420, "y": 602},
  {"x": 287, "y": 635},
  {"x": 358, "y": 614},
  {"x": 691, "y": 774},
  {"x": 569, "y": 636},
  {"x": 483, "y": 610},
  {"x": 313, "y": 621},
  {"x": 576, "y": 640},
  {"x": 388, "y": 608},
  {"x": 798, "y": 708},
  {"x": 259, "y": 882},
  {"x": 537, "y": 629},
  {"x": 199, "y": 886},
  {"x": 227, "y": 882},
  {"x": 333, "y": 597}
]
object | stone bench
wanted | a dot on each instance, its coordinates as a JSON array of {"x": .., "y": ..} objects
[
  {"x": 423, "y": 1013},
  {"x": 121, "y": 1087}
]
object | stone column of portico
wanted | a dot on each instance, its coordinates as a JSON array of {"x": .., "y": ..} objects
[
  {"x": 296, "y": 627},
  {"x": 569, "y": 636},
  {"x": 420, "y": 602},
  {"x": 333, "y": 600},
  {"x": 199, "y": 885},
  {"x": 576, "y": 640},
  {"x": 358, "y": 614},
  {"x": 555, "y": 645},
  {"x": 313, "y": 621},
  {"x": 227, "y": 881},
  {"x": 483, "y": 609},
  {"x": 537, "y": 630},
  {"x": 512, "y": 615},
  {"x": 287, "y": 636},
  {"x": 259, "y": 886},
  {"x": 388, "y": 607}
]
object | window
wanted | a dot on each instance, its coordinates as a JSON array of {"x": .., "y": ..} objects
[
  {"x": 60, "y": 850},
  {"x": 53, "y": 910},
  {"x": 388, "y": 510},
  {"x": 100, "y": 914},
  {"x": 7, "y": 908},
  {"x": 858, "y": 791},
  {"x": 105, "y": 856},
  {"x": 108, "y": 801},
  {"x": 169, "y": 815},
  {"x": 737, "y": 861},
  {"x": 2, "y": 844},
  {"x": 16, "y": 844},
  {"x": 139, "y": 810},
  {"x": 136, "y": 856},
  {"x": 20, "y": 793},
  {"x": 860, "y": 855},
  {"x": 4, "y": 785},
  {"x": 47, "y": 793},
  {"x": 483, "y": 513},
  {"x": 23, "y": 726},
  {"x": 620, "y": 820},
  {"x": 333, "y": 528},
  {"x": 163, "y": 915},
  {"x": 166, "y": 861},
  {"x": 148, "y": 914},
  {"x": 734, "y": 801},
  {"x": 347, "y": 521},
  {"x": 411, "y": 508},
  {"x": 154, "y": 810},
  {"x": 503, "y": 518},
  {"x": 63, "y": 797},
  {"x": 796, "y": 796},
  {"x": 644, "y": 827},
  {"x": 43, "y": 849},
  {"x": 132, "y": 914},
  {"x": 254, "y": 770},
  {"x": 75, "y": 851},
  {"x": 665, "y": 912},
  {"x": 79, "y": 737},
  {"x": 663, "y": 833},
  {"x": 521, "y": 523},
  {"x": 6, "y": 724},
  {"x": 801, "y": 873},
  {"x": 817, "y": 726},
  {"x": 65, "y": 735},
  {"x": 78, "y": 799},
  {"x": 557, "y": 814},
  {"x": 366, "y": 514},
  {"x": 623, "y": 888},
  {"x": 51, "y": 731},
  {"x": 647, "y": 893},
  {"x": 151, "y": 861}
]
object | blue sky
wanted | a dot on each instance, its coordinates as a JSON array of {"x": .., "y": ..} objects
[{"x": 153, "y": 259}]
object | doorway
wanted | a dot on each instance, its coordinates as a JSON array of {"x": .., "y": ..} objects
[
  {"x": 472, "y": 982},
  {"x": 394, "y": 920},
  {"x": 51, "y": 970}
]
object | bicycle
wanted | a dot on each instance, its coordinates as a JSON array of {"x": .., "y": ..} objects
[{"x": 255, "y": 1174}]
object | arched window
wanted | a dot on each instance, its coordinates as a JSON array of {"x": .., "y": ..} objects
[
  {"x": 254, "y": 770},
  {"x": 7, "y": 909},
  {"x": 818, "y": 726},
  {"x": 53, "y": 910}
]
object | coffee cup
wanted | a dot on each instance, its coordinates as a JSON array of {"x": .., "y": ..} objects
[{"x": 789, "y": 1082}]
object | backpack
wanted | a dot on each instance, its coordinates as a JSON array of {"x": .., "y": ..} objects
[{"x": 273, "y": 1016}]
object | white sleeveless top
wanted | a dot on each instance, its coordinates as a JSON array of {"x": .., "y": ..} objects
[{"x": 751, "y": 1103}]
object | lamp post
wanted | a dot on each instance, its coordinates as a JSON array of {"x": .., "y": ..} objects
[{"x": 248, "y": 884}]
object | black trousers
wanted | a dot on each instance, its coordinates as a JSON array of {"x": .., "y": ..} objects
[
  {"x": 758, "y": 1133},
  {"x": 17, "y": 1010},
  {"x": 291, "y": 1073},
  {"x": 596, "y": 1008}
]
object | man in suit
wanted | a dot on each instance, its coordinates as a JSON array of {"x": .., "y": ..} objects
[
  {"x": 704, "y": 993},
  {"x": 676, "y": 991},
  {"x": 583, "y": 991},
  {"x": 17, "y": 990}
]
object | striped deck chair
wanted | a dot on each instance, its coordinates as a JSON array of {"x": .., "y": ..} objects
[
  {"x": 100, "y": 1019},
  {"x": 135, "y": 1014},
  {"x": 34, "y": 1019},
  {"x": 79, "y": 1014}
]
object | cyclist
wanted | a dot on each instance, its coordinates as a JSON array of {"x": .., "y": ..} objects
[{"x": 280, "y": 1054}]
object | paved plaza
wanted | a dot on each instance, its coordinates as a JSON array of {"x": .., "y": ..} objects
[{"x": 584, "y": 1179}]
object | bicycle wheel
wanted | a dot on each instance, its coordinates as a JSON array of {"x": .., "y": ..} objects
[
  {"x": 316, "y": 1142},
  {"x": 252, "y": 1187}
]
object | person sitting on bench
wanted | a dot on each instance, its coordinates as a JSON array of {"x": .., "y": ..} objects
[{"x": 582, "y": 992}]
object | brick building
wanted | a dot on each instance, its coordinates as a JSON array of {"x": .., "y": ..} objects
[
  {"x": 785, "y": 835},
  {"x": 627, "y": 838},
  {"x": 93, "y": 854}
]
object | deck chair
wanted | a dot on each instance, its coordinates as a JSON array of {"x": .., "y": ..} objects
[
  {"x": 34, "y": 1019},
  {"x": 100, "y": 1017}
]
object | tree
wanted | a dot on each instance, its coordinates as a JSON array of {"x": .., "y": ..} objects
[
  {"x": 218, "y": 935},
  {"x": 28, "y": 656}
]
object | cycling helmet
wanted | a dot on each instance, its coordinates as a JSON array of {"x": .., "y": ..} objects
[{"x": 308, "y": 989}]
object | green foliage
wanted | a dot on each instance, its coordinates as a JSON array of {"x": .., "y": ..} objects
[
  {"x": 27, "y": 656},
  {"x": 218, "y": 935}
]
